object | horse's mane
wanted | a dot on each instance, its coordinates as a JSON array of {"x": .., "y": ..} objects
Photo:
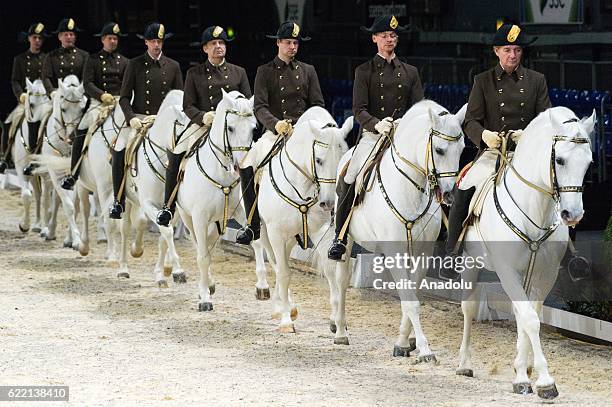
[{"x": 421, "y": 108}]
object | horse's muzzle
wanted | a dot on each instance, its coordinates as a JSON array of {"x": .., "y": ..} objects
[
  {"x": 571, "y": 219},
  {"x": 327, "y": 206}
]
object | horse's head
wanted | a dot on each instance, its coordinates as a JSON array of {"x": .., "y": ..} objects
[
  {"x": 69, "y": 102},
  {"x": 444, "y": 149},
  {"x": 326, "y": 148},
  {"x": 570, "y": 158},
  {"x": 36, "y": 101},
  {"x": 235, "y": 120}
]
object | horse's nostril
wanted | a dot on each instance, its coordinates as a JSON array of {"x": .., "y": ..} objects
[{"x": 565, "y": 214}]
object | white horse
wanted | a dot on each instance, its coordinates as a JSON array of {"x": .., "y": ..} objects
[
  {"x": 211, "y": 173},
  {"x": 400, "y": 207},
  {"x": 68, "y": 104},
  {"x": 296, "y": 193},
  {"x": 540, "y": 195},
  {"x": 37, "y": 105},
  {"x": 96, "y": 177},
  {"x": 144, "y": 188}
]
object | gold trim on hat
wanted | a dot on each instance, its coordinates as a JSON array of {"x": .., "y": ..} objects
[
  {"x": 70, "y": 24},
  {"x": 217, "y": 31},
  {"x": 393, "y": 23},
  {"x": 116, "y": 29},
  {"x": 161, "y": 32},
  {"x": 513, "y": 33},
  {"x": 296, "y": 30},
  {"x": 39, "y": 28}
]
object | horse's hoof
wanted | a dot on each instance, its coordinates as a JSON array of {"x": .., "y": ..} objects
[
  {"x": 36, "y": 229},
  {"x": 123, "y": 274},
  {"x": 179, "y": 278},
  {"x": 23, "y": 229},
  {"x": 465, "y": 372},
  {"x": 42, "y": 234},
  {"x": 101, "y": 241},
  {"x": 167, "y": 271},
  {"x": 294, "y": 314},
  {"x": 262, "y": 294},
  {"x": 401, "y": 352},
  {"x": 212, "y": 289},
  {"x": 529, "y": 371},
  {"x": 84, "y": 250},
  {"x": 205, "y": 306},
  {"x": 135, "y": 252},
  {"x": 68, "y": 245},
  {"x": 49, "y": 238},
  {"x": 341, "y": 341},
  {"x": 162, "y": 284},
  {"x": 287, "y": 329},
  {"x": 522, "y": 388},
  {"x": 332, "y": 327},
  {"x": 428, "y": 359},
  {"x": 547, "y": 392},
  {"x": 411, "y": 344}
]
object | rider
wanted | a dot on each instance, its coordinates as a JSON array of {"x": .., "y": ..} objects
[
  {"x": 25, "y": 65},
  {"x": 284, "y": 89},
  {"x": 202, "y": 94},
  {"x": 504, "y": 98},
  {"x": 384, "y": 89},
  {"x": 102, "y": 81},
  {"x": 149, "y": 78},
  {"x": 59, "y": 63}
]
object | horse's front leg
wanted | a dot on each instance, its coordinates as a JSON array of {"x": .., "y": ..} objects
[
  {"x": 158, "y": 271},
  {"x": 469, "y": 307},
  {"x": 125, "y": 224},
  {"x": 69, "y": 204},
  {"x": 262, "y": 289},
  {"x": 26, "y": 197},
  {"x": 201, "y": 235},
  {"x": 83, "y": 197},
  {"x": 171, "y": 262},
  {"x": 37, "y": 192},
  {"x": 342, "y": 281},
  {"x": 283, "y": 279}
]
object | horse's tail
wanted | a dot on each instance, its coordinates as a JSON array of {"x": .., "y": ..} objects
[
  {"x": 50, "y": 162},
  {"x": 322, "y": 240}
]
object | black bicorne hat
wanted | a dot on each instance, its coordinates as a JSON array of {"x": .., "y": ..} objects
[
  {"x": 511, "y": 34},
  {"x": 385, "y": 23},
  {"x": 67, "y": 24},
  {"x": 111, "y": 28},
  {"x": 289, "y": 30},
  {"x": 155, "y": 31},
  {"x": 214, "y": 32}
]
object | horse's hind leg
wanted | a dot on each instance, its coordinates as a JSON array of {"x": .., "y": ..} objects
[
  {"x": 37, "y": 191},
  {"x": 262, "y": 289},
  {"x": 160, "y": 278},
  {"x": 342, "y": 281},
  {"x": 469, "y": 306},
  {"x": 83, "y": 196},
  {"x": 26, "y": 197}
]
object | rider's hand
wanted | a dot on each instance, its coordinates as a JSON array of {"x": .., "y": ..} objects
[
  {"x": 384, "y": 126},
  {"x": 135, "y": 123},
  {"x": 516, "y": 135},
  {"x": 208, "y": 118},
  {"x": 491, "y": 138},
  {"x": 107, "y": 98},
  {"x": 22, "y": 98},
  {"x": 283, "y": 127}
]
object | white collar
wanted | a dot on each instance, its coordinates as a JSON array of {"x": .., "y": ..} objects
[{"x": 155, "y": 59}]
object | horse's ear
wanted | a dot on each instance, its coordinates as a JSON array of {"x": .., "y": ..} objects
[
  {"x": 252, "y": 101},
  {"x": 460, "y": 115},
  {"x": 557, "y": 127},
  {"x": 60, "y": 85},
  {"x": 434, "y": 118},
  {"x": 224, "y": 94},
  {"x": 347, "y": 126},
  {"x": 29, "y": 84},
  {"x": 315, "y": 128},
  {"x": 589, "y": 123}
]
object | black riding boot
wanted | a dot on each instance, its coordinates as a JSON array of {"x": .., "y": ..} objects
[
  {"x": 32, "y": 145},
  {"x": 247, "y": 182},
  {"x": 458, "y": 213},
  {"x": 77, "y": 149},
  {"x": 118, "y": 168},
  {"x": 345, "y": 203},
  {"x": 164, "y": 216},
  {"x": 4, "y": 147}
]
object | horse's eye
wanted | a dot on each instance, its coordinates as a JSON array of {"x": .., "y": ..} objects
[
  {"x": 230, "y": 129},
  {"x": 318, "y": 161},
  {"x": 63, "y": 110},
  {"x": 439, "y": 151},
  {"x": 560, "y": 161}
]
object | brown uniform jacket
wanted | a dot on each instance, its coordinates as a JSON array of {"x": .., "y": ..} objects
[
  {"x": 149, "y": 81},
  {"x": 104, "y": 73},
  {"x": 26, "y": 65},
  {"x": 285, "y": 91},
  {"x": 62, "y": 62},
  {"x": 500, "y": 101},
  {"x": 382, "y": 89},
  {"x": 204, "y": 83}
]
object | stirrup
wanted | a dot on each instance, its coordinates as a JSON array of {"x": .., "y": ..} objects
[
  {"x": 164, "y": 216},
  {"x": 3, "y": 166},
  {"x": 115, "y": 210},
  {"x": 246, "y": 235},
  {"x": 68, "y": 182},
  {"x": 448, "y": 273},
  {"x": 29, "y": 169},
  {"x": 337, "y": 249}
]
